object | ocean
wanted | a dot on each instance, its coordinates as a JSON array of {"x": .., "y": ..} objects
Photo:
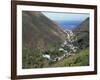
[{"x": 68, "y": 24}]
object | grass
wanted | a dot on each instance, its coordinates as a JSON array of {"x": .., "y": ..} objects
[
  {"x": 33, "y": 59},
  {"x": 79, "y": 59}
]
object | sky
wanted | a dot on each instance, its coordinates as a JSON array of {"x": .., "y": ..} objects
[
  {"x": 67, "y": 20},
  {"x": 66, "y": 16}
]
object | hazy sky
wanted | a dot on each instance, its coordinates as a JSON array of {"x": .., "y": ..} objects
[{"x": 66, "y": 16}]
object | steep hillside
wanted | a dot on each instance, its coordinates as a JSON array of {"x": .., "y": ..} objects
[
  {"x": 39, "y": 34},
  {"x": 82, "y": 33},
  {"x": 39, "y": 31},
  {"x": 45, "y": 43}
]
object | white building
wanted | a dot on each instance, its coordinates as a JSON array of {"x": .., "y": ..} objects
[{"x": 46, "y": 56}]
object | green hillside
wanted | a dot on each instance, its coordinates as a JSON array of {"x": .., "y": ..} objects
[{"x": 80, "y": 59}]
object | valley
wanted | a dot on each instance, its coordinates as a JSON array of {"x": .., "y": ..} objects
[{"x": 46, "y": 44}]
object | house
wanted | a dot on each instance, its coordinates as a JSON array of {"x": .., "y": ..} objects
[{"x": 46, "y": 56}]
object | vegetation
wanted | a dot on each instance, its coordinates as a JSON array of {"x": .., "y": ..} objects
[
  {"x": 79, "y": 59},
  {"x": 35, "y": 60},
  {"x": 42, "y": 36},
  {"x": 31, "y": 59}
]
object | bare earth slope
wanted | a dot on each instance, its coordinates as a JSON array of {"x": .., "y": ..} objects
[{"x": 38, "y": 31}]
